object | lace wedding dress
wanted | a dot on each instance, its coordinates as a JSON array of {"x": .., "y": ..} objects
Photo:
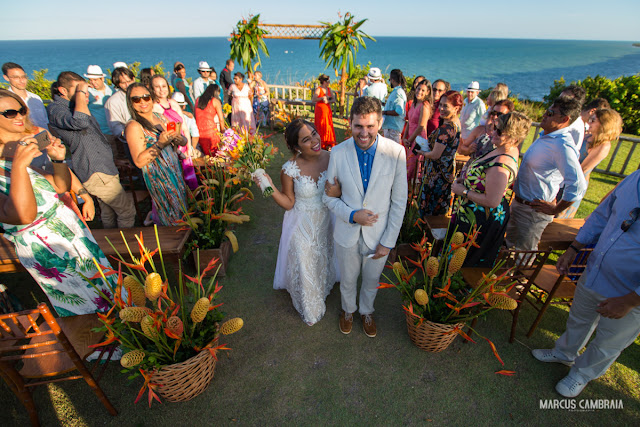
[{"x": 306, "y": 264}]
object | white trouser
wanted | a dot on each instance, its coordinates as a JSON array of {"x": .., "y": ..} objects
[
  {"x": 612, "y": 335},
  {"x": 352, "y": 261}
]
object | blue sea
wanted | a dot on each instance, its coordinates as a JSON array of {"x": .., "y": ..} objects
[{"x": 529, "y": 67}]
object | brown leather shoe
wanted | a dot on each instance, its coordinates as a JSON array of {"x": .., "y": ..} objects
[
  {"x": 346, "y": 322},
  {"x": 369, "y": 325}
]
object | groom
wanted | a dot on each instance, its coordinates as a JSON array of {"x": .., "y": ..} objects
[{"x": 372, "y": 173}]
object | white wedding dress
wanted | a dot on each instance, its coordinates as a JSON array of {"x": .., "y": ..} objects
[{"x": 306, "y": 264}]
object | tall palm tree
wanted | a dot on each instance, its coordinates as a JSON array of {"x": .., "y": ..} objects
[{"x": 339, "y": 44}]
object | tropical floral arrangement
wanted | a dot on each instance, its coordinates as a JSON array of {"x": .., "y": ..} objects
[
  {"x": 246, "y": 155},
  {"x": 157, "y": 324},
  {"x": 213, "y": 206},
  {"x": 247, "y": 40},
  {"x": 435, "y": 290}
]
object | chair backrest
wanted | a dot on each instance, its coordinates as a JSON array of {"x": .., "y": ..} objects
[
  {"x": 26, "y": 325},
  {"x": 524, "y": 265},
  {"x": 578, "y": 265}
]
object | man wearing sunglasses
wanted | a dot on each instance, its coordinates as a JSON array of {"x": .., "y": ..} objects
[
  {"x": 549, "y": 163},
  {"x": 91, "y": 154},
  {"x": 607, "y": 297},
  {"x": 17, "y": 78}
]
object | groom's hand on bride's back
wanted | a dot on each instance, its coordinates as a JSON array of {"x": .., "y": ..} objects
[
  {"x": 365, "y": 217},
  {"x": 333, "y": 190}
]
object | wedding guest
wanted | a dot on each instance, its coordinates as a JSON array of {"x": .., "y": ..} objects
[
  {"x": 242, "y": 111},
  {"x": 50, "y": 241},
  {"x": 154, "y": 150},
  {"x": 191, "y": 128},
  {"x": 181, "y": 84},
  {"x": 394, "y": 108},
  {"x": 478, "y": 143},
  {"x": 472, "y": 111},
  {"x": 439, "y": 169},
  {"x": 482, "y": 187},
  {"x": 99, "y": 94},
  {"x": 410, "y": 97},
  {"x": 494, "y": 96},
  {"x": 260, "y": 99},
  {"x": 210, "y": 119},
  {"x": 605, "y": 126},
  {"x": 71, "y": 120},
  {"x": 440, "y": 87},
  {"x": 17, "y": 78},
  {"x": 419, "y": 115},
  {"x": 360, "y": 87},
  {"x": 306, "y": 265},
  {"x": 576, "y": 128},
  {"x": 323, "y": 98},
  {"x": 226, "y": 79},
  {"x": 115, "y": 107},
  {"x": 205, "y": 79},
  {"x": 145, "y": 77},
  {"x": 550, "y": 161},
  {"x": 172, "y": 112},
  {"x": 377, "y": 87}
]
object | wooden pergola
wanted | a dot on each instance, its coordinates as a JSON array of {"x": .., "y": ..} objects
[{"x": 296, "y": 32}]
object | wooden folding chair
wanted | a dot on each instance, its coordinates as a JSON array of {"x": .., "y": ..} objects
[
  {"x": 551, "y": 285},
  {"x": 36, "y": 349},
  {"x": 127, "y": 172},
  {"x": 525, "y": 267}
]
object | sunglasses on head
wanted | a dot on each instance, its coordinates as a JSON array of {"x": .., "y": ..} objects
[
  {"x": 137, "y": 99},
  {"x": 626, "y": 224},
  {"x": 12, "y": 114}
]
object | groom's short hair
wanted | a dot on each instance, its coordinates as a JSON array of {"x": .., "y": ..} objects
[{"x": 366, "y": 105}]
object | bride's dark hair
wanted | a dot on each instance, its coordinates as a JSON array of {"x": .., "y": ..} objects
[{"x": 291, "y": 134}]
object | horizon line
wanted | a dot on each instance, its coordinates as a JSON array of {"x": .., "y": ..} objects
[{"x": 382, "y": 36}]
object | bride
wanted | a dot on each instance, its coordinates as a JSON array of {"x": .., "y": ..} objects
[{"x": 306, "y": 264}]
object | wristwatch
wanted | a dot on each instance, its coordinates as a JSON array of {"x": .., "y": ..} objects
[{"x": 465, "y": 192}]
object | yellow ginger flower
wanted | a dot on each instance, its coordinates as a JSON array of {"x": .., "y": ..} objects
[
  {"x": 399, "y": 269},
  {"x": 136, "y": 290},
  {"x": 457, "y": 238},
  {"x": 231, "y": 326},
  {"x": 134, "y": 314},
  {"x": 153, "y": 286},
  {"x": 457, "y": 260},
  {"x": 200, "y": 309},
  {"x": 175, "y": 325},
  {"x": 147, "y": 327},
  {"x": 421, "y": 297},
  {"x": 433, "y": 265},
  {"x": 502, "y": 302},
  {"x": 131, "y": 359}
]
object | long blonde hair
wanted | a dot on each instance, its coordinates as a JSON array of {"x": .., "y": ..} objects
[
  {"x": 610, "y": 127},
  {"x": 29, "y": 128}
]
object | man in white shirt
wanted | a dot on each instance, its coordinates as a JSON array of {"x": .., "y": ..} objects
[
  {"x": 17, "y": 78},
  {"x": 377, "y": 88},
  {"x": 115, "y": 108},
  {"x": 472, "y": 111},
  {"x": 201, "y": 83},
  {"x": 99, "y": 93}
]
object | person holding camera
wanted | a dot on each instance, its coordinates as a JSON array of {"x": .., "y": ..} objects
[
  {"x": 50, "y": 240},
  {"x": 153, "y": 144}
]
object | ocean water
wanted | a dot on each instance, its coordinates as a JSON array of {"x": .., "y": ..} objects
[{"x": 529, "y": 67}]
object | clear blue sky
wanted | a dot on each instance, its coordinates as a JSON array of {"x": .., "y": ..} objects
[{"x": 547, "y": 19}]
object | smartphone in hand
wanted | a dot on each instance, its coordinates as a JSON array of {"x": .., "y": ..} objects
[
  {"x": 171, "y": 126},
  {"x": 43, "y": 140}
]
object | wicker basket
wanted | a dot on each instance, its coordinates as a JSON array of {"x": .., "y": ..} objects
[
  {"x": 430, "y": 336},
  {"x": 185, "y": 380}
]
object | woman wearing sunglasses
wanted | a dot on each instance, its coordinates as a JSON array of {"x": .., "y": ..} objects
[
  {"x": 478, "y": 143},
  {"x": 482, "y": 187},
  {"x": 153, "y": 149},
  {"x": 52, "y": 243}
]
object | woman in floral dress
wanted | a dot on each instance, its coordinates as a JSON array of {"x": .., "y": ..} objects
[
  {"x": 440, "y": 167},
  {"x": 51, "y": 241},
  {"x": 482, "y": 188}
]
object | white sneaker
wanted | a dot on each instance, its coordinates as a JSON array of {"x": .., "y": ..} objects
[
  {"x": 570, "y": 387},
  {"x": 546, "y": 355}
]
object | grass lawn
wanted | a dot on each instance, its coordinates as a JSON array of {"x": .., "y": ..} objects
[{"x": 282, "y": 372}]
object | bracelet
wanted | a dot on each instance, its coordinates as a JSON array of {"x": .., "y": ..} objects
[
  {"x": 465, "y": 192},
  {"x": 82, "y": 191},
  {"x": 81, "y": 91},
  {"x": 574, "y": 248},
  {"x": 58, "y": 161}
]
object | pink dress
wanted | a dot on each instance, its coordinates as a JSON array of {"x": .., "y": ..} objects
[
  {"x": 412, "y": 125},
  {"x": 242, "y": 110}
]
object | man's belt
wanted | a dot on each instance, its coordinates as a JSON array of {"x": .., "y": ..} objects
[{"x": 521, "y": 200}]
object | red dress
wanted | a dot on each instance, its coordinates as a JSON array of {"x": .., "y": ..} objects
[
  {"x": 324, "y": 121},
  {"x": 208, "y": 128}
]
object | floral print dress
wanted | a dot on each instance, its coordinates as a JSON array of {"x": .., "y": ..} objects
[
  {"x": 56, "y": 249},
  {"x": 491, "y": 222},
  {"x": 439, "y": 174}
]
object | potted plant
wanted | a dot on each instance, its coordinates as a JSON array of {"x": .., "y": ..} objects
[
  {"x": 436, "y": 300},
  {"x": 169, "y": 334}
]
